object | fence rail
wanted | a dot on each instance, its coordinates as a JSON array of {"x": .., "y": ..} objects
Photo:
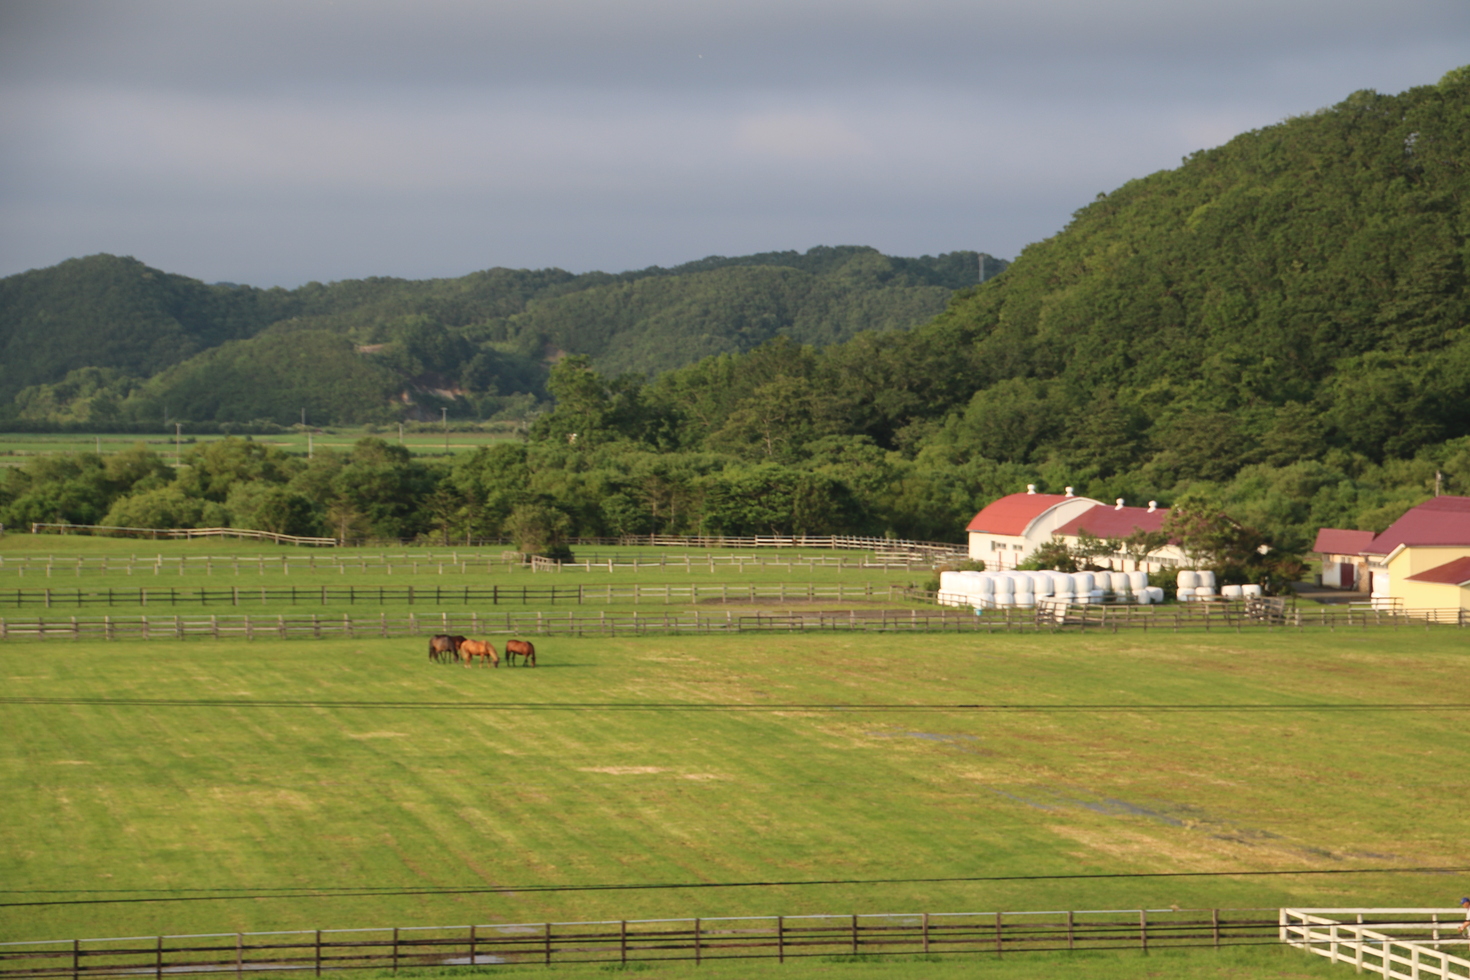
[
  {"x": 1408, "y": 943},
  {"x": 440, "y": 595},
  {"x": 626, "y": 941},
  {"x": 431, "y": 562},
  {"x": 318, "y": 626},
  {"x": 154, "y": 533},
  {"x": 938, "y": 549}
]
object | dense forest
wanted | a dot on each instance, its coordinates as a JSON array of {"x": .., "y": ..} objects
[
  {"x": 1277, "y": 330},
  {"x": 108, "y": 341}
]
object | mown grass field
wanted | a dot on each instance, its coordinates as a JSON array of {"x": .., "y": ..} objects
[
  {"x": 65, "y": 563},
  {"x": 335, "y": 764},
  {"x": 17, "y": 447}
]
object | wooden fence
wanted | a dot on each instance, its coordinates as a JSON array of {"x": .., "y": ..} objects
[
  {"x": 155, "y": 533},
  {"x": 431, "y": 563},
  {"x": 728, "y": 620},
  {"x": 318, "y": 626},
  {"x": 440, "y": 595},
  {"x": 935, "y": 549},
  {"x": 990, "y": 934},
  {"x": 1406, "y": 943}
]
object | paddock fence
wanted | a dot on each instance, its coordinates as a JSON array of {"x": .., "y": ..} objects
[
  {"x": 318, "y": 626},
  {"x": 1398, "y": 943},
  {"x": 433, "y": 563},
  {"x": 684, "y": 621},
  {"x": 723, "y": 594},
  {"x": 158, "y": 533},
  {"x": 988, "y": 934},
  {"x": 893, "y": 546}
]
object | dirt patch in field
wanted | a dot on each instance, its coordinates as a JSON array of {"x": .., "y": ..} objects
[{"x": 623, "y": 770}]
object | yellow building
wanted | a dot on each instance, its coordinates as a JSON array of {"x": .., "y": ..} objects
[
  {"x": 1445, "y": 586},
  {"x": 1421, "y": 560}
]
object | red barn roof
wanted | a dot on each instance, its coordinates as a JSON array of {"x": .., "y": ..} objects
[
  {"x": 1440, "y": 521},
  {"x": 1336, "y": 541},
  {"x": 1456, "y": 572},
  {"x": 1014, "y": 513},
  {"x": 1115, "y": 522}
]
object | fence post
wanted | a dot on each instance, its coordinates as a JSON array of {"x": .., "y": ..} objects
[
  {"x": 547, "y": 927},
  {"x": 997, "y": 935},
  {"x": 158, "y": 959},
  {"x": 76, "y": 958},
  {"x": 473, "y": 937},
  {"x": 395, "y": 949},
  {"x": 318, "y": 952},
  {"x": 1143, "y": 930},
  {"x": 854, "y": 934},
  {"x": 239, "y": 953},
  {"x": 623, "y": 941},
  {"x": 696, "y": 943},
  {"x": 781, "y": 939},
  {"x": 1215, "y": 925},
  {"x": 926, "y": 933}
]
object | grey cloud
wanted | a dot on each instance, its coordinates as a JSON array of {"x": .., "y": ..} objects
[{"x": 274, "y": 142}]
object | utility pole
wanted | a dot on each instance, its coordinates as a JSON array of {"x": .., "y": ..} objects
[
  {"x": 445, "y": 413},
  {"x": 177, "y": 428},
  {"x": 400, "y": 433}
]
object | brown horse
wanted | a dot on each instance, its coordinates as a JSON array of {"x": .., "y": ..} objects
[
  {"x": 470, "y": 649},
  {"x": 443, "y": 645},
  {"x": 524, "y": 648}
]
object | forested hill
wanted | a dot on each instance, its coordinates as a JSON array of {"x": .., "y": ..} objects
[
  {"x": 140, "y": 340},
  {"x": 1281, "y": 321}
]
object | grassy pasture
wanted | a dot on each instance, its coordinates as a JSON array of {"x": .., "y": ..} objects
[
  {"x": 563, "y": 775},
  {"x": 1225, "y": 964},
  {"x": 17, "y": 447},
  {"x": 32, "y": 562}
]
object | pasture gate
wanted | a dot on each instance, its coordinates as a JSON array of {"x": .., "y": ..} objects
[{"x": 629, "y": 941}]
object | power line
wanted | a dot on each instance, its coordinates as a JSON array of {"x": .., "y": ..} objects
[
  {"x": 674, "y": 706},
  {"x": 369, "y": 892}
]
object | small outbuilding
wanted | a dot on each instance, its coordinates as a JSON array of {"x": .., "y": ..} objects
[{"x": 1343, "y": 564}]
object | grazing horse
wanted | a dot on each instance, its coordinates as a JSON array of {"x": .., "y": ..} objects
[
  {"x": 470, "y": 649},
  {"x": 524, "y": 648},
  {"x": 443, "y": 645}
]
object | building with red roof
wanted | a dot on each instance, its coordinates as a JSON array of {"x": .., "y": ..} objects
[
  {"x": 1008, "y": 530},
  {"x": 1413, "y": 560},
  {"x": 1119, "y": 522},
  {"x": 1343, "y": 564}
]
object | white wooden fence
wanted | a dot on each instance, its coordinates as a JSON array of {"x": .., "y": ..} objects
[{"x": 1397, "y": 943}]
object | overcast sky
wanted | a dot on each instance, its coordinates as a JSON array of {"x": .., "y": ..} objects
[{"x": 273, "y": 143}]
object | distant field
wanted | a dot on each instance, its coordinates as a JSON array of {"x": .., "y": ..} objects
[
  {"x": 161, "y": 770},
  {"x": 17, "y": 447},
  {"x": 175, "y": 571}
]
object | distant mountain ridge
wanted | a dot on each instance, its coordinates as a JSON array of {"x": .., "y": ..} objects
[{"x": 166, "y": 344}]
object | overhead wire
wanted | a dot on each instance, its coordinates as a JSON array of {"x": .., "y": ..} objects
[{"x": 257, "y": 894}]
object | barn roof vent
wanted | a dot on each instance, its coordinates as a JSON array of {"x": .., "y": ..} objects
[
  {"x": 1030, "y": 488},
  {"x": 1118, "y": 504},
  {"x": 1069, "y": 491},
  {"x": 1153, "y": 505}
]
